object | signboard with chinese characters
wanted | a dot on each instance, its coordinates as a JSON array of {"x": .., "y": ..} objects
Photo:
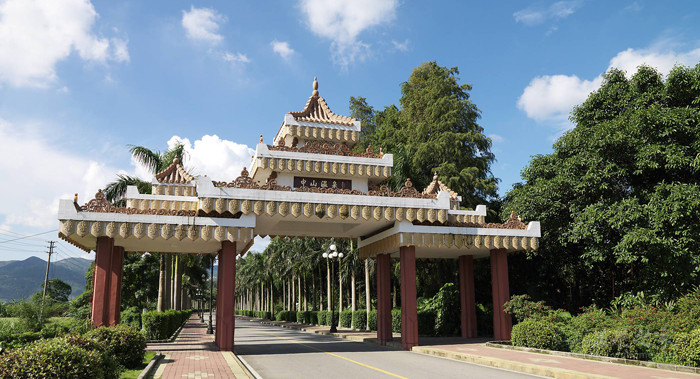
[{"x": 302, "y": 181}]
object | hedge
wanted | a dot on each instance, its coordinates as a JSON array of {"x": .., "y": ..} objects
[
  {"x": 257, "y": 314},
  {"x": 162, "y": 325},
  {"x": 396, "y": 320},
  {"x": 688, "y": 347},
  {"x": 618, "y": 343},
  {"x": 372, "y": 320},
  {"x": 63, "y": 357},
  {"x": 359, "y": 319},
  {"x": 322, "y": 315},
  {"x": 539, "y": 334},
  {"x": 345, "y": 319},
  {"x": 126, "y": 344},
  {"x": 313, "y": 317}
]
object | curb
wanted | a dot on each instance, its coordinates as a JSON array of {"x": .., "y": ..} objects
[
  {"x": 629, "y": 362},
  {"x": 507, "y": 365},
  {"x": 146, "y": 373},
  {"x": 239, "y": 369}
]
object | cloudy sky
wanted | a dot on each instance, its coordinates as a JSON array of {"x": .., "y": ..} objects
[{"x": 79, "y": 80}]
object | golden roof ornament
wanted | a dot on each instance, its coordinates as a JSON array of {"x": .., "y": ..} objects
[
  {"x": 261, "y": 139},
  {"x": 75, "y": 198},
  {"x": 176, "y": 160},
  {"x": 315, "y": 93}
]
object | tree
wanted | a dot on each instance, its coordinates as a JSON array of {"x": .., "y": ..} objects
[
  {"x": 618, "y": 198},
  {"x": 57, "y": 290},
  {"x": 435, "y": 130}
]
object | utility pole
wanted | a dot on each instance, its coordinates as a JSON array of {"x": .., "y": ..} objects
[{"x": 46, "y": 279}]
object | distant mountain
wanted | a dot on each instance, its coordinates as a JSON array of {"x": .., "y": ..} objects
[{"x": 22, "y": 279}]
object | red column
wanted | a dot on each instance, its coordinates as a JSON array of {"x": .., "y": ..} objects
[
  {"x": 100, "y": 285},
  {"x": 409, "y": 311},
  {"x": 383, "y": 299},
  {"x": 500, "y": 291},
  {"x": 115, "y": 286},
  {"x": 466, "y": 296},
  {"x": 225, "y": 297}
]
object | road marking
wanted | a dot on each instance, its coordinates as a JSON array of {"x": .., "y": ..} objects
[{"x": 335, "y": 355}]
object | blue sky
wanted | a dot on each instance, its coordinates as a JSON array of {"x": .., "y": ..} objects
[{"x": 80, "y": 80}]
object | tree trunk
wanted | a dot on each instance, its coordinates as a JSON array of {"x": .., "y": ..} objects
[
  {"x": 393, "y": 301},
  {"x": 168, "y": 281},
  {"x": 313, "y": 291},
  {"x": 368, "y": 301},
  {"x": 284, "y": 295},
  {"x": 352, "y": 291},
  {"x": 294, "y": 295},
  {"x": 161, "y": 285},
  {"x": 177, "y": 291},
  {"x": 299, "y": 291},
  {"x": 340, "y": 289}
]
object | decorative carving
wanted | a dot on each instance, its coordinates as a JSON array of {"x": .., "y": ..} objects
[
  {"x": 98, "y": 204},
  {"x": 315, "y": 147}
]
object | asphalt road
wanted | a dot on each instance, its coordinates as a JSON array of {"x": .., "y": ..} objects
[{"x": 275, "y": 352}]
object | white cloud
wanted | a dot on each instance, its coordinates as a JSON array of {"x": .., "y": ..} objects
[
  {"x": 217, "y": 158},
  {"x": 235, "y": 58},
  {"x": 552, "y": 97},
  {"x": 202, "y": 24},
  {"x": 343, "y": 21},
  {"x": 630, "y": 59},
  {"x": 45, "y": 174},
  {"x": 282, "y": 48},
  {"x": 36, "y": 34},
  {"x": 496, "y": 138},
  {"x": 537, "y": 15},
  {"x": 400, "y": 46},
  {"x": 260, "y": 244}
]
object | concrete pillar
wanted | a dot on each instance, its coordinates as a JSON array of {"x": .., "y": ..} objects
[
  {"x": 225, "y": 298},
  {"x": 383, "y": 299},
  {"x": 409, "y": 310},
  {"x": 467, "y": 296},
  {"x": 101, "y": 281},
  {"x": 500, "y": 291},
  {"x": 115, "y": 285}
]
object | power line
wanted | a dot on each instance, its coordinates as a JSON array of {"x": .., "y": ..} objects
[
  {"x": 33, "y": 235},
  {"x": 15, "y": 234}
]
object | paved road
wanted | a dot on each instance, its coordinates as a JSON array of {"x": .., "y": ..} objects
[{"x": 275, "y": 352}]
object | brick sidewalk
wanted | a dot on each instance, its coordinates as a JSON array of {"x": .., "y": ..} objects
[{"x": 193, "y": 354}]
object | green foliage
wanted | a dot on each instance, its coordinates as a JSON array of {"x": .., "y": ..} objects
[
  {"x": 300, "y": 317},
  {"x": 58, "y": 290},
  {"x": 687, "y": 348},
  {"x": 426, "y": 322},
  {"x": 132, "y": 317},
  {"x": 322, "y": 315},
  {"x": 345, "y": 320},
  {"x": 359, "y": 319},
  {"x": 618, "y": 198},
  {"x": 396, "y": 320},
  {"x": 618, "y": 343},
  {"x": 162, "y": 325},
  {"x": 590, "y": 320},
  {"x": 313, "y": 317},
  {"x": 126, "y": 344},
  {"x": 539, "y": 334},
  {"x": 435, "y": 130},
  {"x": 522, "y": 307},
  {"x": 372, "y": 320},
  {"x": 66, "y": 357}
]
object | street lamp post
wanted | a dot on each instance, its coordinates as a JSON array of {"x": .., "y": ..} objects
[
  {"x": 332, "y": 256},
  {"x": 210, "y": 328}
]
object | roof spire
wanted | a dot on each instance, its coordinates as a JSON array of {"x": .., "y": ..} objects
[{"x": 315, "y": 93}]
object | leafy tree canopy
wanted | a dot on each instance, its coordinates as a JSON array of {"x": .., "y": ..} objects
[
  {"x": 57, "y": 290},
  {"x": 619, "y": 196},
  {"x": 435, "y": 130}
]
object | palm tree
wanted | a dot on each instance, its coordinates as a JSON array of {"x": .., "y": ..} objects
[{"x": 115, "y": 192}]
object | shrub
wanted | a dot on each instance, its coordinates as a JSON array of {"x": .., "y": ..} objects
[
  {"x": 372, "y": 320},
  {"x": 126, "y": 344},
  {"x": 688, "y": 310},
  {"x": 313, "y": 317},
  {"x": 591, "y": 320},
  {"x": 300, "y": 317},
  {"x": 58, "y": 358},
  {"x": 687, "y": 347},
  {"x": 448, "y": 307},
  {"x": 618, "y": 343},
  {"x": 538, "y": 334},
  {"x": 322, "y": 315},
  {"x": 522, "y": 307},
  {"x": 345, "y": 319},
  {"x": 162, "y": 325},
  {"x": 426, "y": 323},
  {"x": 131, "y": 316},
  {"x": 396, "y": 320},
  {"x": 359, "y": 319}
]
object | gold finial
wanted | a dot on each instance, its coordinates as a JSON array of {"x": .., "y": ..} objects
[
  {"x": 75, "y": 198},
  {"x": 261, "y": 139},
  {"x": 176, "y": 160},
  {"x": 315, "y": 93},
  {"x": 435, "y": 177}
]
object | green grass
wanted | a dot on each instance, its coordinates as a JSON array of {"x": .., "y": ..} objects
[{"x": 133, "y": 374}]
